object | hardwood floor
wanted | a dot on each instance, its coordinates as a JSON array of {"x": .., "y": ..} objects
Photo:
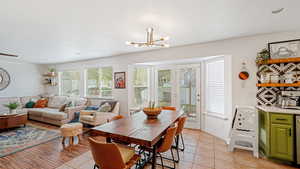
[
  {"x": 203, "y": 151},
  {"x": 45, "y": 156}
]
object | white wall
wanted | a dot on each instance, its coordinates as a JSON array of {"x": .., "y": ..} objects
[
  {"x": 241, "y": 49},
  {"x": 26, "y": 79}
]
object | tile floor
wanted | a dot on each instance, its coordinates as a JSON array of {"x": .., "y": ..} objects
[{"x": 203, "y": 151}]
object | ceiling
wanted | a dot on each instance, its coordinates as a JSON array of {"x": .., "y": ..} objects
[{"x": 56, "y": 31}]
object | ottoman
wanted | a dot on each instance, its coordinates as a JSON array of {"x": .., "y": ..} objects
[{"x": 71, "y": 130}]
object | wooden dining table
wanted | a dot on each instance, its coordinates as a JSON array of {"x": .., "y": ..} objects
[{"x": 137, "y": 129}]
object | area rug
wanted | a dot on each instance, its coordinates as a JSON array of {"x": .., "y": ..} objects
[{"x": 22, "y": 138}]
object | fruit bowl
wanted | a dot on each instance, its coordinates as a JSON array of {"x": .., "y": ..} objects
[{"x": 152, "y": 113}]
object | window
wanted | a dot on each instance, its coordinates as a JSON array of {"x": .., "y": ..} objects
[
  {"x": 215, "y": 86},
  {"x": 164, "y": 87},
  {"x": 99, "y": 82},
  {"x": 69, "y": 85},
  {"x": 140, "y": 86}
]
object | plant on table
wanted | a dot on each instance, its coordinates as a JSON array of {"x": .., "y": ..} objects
[{"x": 12, "y": 106}]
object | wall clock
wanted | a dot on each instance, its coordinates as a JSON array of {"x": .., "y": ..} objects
[{"x": 4, "y": 79}]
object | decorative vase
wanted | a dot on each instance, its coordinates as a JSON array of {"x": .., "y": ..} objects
[
  {"x": 12, "y": 111},
  {"x": 152, "y": 113}
]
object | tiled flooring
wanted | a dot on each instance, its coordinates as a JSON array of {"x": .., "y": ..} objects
[{"x": 203, "y": 151}]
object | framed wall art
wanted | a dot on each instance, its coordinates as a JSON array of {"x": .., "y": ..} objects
[
  {"x": 4, "y": 79},
  {"x": 120, "y": 80},
  {"x": 284, "y": 49}
]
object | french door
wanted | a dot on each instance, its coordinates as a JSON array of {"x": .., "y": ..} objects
[
  {"x": 188, "y": 94},
  {"x": 179, "y": 86}
]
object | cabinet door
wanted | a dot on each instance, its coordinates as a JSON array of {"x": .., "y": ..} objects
[
  {"x": 264, "y": 125},
  {"x": 282, "y": 141}
]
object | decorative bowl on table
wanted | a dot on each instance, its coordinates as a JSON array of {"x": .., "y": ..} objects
[{"x": 152, "y": 113}]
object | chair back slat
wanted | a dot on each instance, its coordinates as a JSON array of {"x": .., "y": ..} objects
[
  {"x": 169, "y": 108},
  {"x": 106, "y": 155}
]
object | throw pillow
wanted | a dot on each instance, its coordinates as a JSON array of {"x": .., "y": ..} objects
[
  {"x": 111, "y": 102},
  {"x": 105, "y": 108},
  {"x": 42, "y": 103},
  {"x": 62, "y": 108},
  {"x": 29, "y": 104},
  {"x": 92, "y": 108}
]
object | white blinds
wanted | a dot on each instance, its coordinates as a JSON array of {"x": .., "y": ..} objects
[{"x": 215, "y": 86}]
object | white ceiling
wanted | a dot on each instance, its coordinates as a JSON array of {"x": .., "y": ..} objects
[{"x": 53, "y": 31}]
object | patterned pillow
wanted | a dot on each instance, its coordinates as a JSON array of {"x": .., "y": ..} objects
[
  {"x": 105, "y": 108},
  {"x": 42, "y": 103}
]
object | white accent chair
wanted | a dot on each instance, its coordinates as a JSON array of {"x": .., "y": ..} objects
[{"x": 243, "y": 133}]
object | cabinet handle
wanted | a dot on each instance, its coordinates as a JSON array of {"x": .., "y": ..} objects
[
  {"x": 281, "y": 119},
  {"x": 290, "y": 132}
]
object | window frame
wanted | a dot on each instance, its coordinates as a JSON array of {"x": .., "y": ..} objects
[
  {"x": 86, "y": 80},
  {"x": 60, "y": 82}
]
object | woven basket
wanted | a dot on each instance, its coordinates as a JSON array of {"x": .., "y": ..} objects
[{"x": 152, "y": 113}]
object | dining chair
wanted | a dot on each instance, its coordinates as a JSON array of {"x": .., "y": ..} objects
[
  {"x": 112, "y": 156},
  {"x": 164, "y": 145},
  {"x": 117, "y": 117},
  {"x": 178, "y": 135},
  {"x": 169, "y": 108}
]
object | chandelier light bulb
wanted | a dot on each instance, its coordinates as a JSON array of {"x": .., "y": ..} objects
[{"x": 151, "y": 41}]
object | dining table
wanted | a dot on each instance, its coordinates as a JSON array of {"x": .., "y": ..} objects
[{"x": 138, "y": 129}]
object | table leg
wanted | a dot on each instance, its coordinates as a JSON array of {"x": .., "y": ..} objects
[
  {"x": 154, "y": 153},
  {"x": 108, "y": 140}
]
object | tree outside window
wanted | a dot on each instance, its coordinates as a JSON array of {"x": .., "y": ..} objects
[
  {"x": 70, "y": 83},
  {"x": 99, "y": 82}
]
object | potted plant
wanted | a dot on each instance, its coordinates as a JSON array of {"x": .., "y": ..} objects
[
  {"x": 263, "y": 56},
  {"x": 12, "y": 107},
  {"x": 52, "y": 71}
]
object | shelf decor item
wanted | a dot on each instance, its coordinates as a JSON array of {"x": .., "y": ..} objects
[
  {"x": 152, "y": 112},
  {"x": 262, "y": 57},
  {"x": 4, "y": 79},
  {"x": 284, "y": 49},
  {"x": 120, "y": 80}
]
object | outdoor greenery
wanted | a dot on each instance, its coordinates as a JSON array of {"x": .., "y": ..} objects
[
  {"x": 99, "y": 81},
  {"x": 70, "y": 83}
]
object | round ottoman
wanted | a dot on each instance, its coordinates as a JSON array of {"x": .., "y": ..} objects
[{"x": 71, "y": 130}]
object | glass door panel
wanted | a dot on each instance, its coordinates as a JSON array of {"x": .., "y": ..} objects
[
  {"x": 164, "y": 88},
  {"x": 188, "y": 96}
]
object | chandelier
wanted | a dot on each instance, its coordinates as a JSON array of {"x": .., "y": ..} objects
[{"x": 150, "y": 41}]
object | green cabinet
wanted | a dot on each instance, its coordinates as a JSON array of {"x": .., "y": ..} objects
[
  {"x": 282, "y": 142},
  {"x": 276, "y": 135}
]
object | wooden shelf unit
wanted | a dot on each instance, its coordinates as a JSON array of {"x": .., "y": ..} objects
[
  {"x": 278, "y": 84},
  {"x": 50, "y": 75},
  {"x": 286, "y": 60}
]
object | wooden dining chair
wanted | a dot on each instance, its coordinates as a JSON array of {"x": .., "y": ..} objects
[
  {"x": 164, "y": 145},
  {"x": 169, "y": 108},
  {"x": 178, "y": 135},
  {"x": 117, "y": 117},
  {"x": 112, "y": 156}
]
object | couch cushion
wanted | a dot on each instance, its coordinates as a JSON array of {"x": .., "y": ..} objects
[
  {"x": 87, "y": 118},
  {"x": 26, "y": 99},
  {"x": 53, "y": 114},
  {"x": 35, "y": 111},
  {"x": 57, "y": 101}
]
